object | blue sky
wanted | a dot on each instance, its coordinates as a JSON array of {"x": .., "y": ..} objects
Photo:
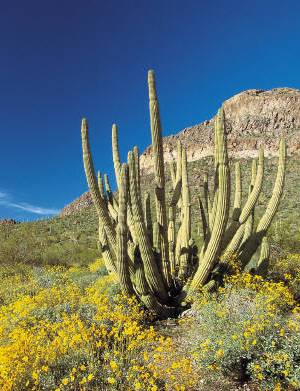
[{"x": 62, "y": 60}]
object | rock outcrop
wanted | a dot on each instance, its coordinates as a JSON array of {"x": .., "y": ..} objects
[
  {"x": 81, "y": 202},
  {"x": 253, "y": 118},
  {"x": 8, "y": 222}
]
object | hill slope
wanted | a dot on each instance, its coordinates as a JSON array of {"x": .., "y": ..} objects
[{"x": 253, "y": 118}]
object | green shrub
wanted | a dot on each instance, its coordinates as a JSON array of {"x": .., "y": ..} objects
[
  {"x": 246, "y": 331},
  {"x": 287, "y": 269}
]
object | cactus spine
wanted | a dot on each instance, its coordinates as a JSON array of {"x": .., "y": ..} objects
[{"x": 155, "y": 260}]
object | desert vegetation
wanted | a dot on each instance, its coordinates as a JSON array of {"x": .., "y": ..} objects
[
  {"x": 159, "y": 265},
  {"x": 159, "y": 287}
]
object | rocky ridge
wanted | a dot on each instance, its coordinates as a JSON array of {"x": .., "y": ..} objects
[{"x": 253, "y": 118}]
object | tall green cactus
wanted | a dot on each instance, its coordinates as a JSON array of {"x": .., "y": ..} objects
[{"x": 155, "y": 260}]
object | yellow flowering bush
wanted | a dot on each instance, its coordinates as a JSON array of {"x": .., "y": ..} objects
[
  {"x": 288, "y": 269},
  {"x": 66, "y": 334},
  {"x": 249, "y": 331}
]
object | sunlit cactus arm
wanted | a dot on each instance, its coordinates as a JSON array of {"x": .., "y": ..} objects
[
  {"x": 248, "y": 207},
  {"x": 110, "y": 195},
  {"x": 160, "y": 202},
  {"x": 147, "y": 297},
  {"x": 148, "y": 217},
  {"x": 207, "y": 202},
  {"x": 237, "y": 193},
  {"x": 254, "y": 241},
  {"x": 171, "y": 241},
  {"x": 156, "y": 238},
  {"x": 98, "y": 201},
  {"x": 112, "y": 204},
  {"x": 178, "y": 161},
  {"x": 216, "y": 179},
  {"x": 117, "y": 168},
  {"x": 250, "y": 221},
  {"x": 236, "y": 241},
  {"x": 203, "y": 218},
  {"x": 137, "y": 166},
  {"x": 100, "y": 185},
  {"x": 263, "y": 262},
  {"x": 105, "y": 251},
  {"x": 186, "y": 223},
  {"x": 176, "y": 194},
  {"x": 103, "y": 243},
  {"x": 153, "y": 277},
  {"x": 115, "y": 153},
  {"x": 221, "y": 217},
  {"x": 122, "y": 232},
  {"x": 172, "y": 173},
  {"x": 253, "y": 197},
  {"x": 273, "y": 204}
]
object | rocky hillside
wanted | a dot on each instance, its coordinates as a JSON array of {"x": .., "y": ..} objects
[{"x": 253, "y": 117}]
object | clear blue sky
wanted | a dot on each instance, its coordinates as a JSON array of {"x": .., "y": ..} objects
[{"x": 61, "y": 60}]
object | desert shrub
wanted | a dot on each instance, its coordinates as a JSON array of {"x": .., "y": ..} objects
[
  {"x": 65, "y": 333},
  {"x": 285, "y": 235},
  {"x": 287, "y": 269},
  {"x": 249, "y": 331}
]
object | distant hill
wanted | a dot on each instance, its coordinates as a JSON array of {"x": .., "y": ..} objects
[{"x": 253, "y": 118}]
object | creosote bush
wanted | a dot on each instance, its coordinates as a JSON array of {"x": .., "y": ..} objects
[{"x": 154, "y": 258}]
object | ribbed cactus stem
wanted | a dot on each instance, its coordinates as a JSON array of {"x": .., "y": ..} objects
[
  {"x": 105, "y": 251},
  {"x": 203, "y": 218},
  {"x": 94, "y": 189},
  {"x": 253, "y": 173},
  {"x": 263, "y": 262},
  {"x": 117, "y": 168},
  {"x": 172, "y": 173},
  {"x": 115, "y": 153},
  {"x": 273, "y": 204},
  {"x": 253, "y": 197},
  {"x": 238, "y": 192},
  {"x": 148, "y": 217},
  {"x": 250, "y": 221},
  {"x": 156, "y": 238},
  {"x": 229, "y": 237},
  {"x": 178, "y": 161},
  {"x": 157, "y": 145},
  {"x": 186, "y": 223},
  {"x": 112, "y": 202},
  {"x": 235, "y": 242},
  {"x": 254, "y": 241},
  {"x": 207, "y": 202},
  {"x": 151, "y": 260},
  {"x": 171, "y": 241},
  {"x": 100, "y": 185},
  {"x": 122, "y": 232},
  {"x": 221, "y": 217},
  {"x": 147, "y": 298},
  {"x": 152, "y": 275},
  {"x": 137, "y": 167}
]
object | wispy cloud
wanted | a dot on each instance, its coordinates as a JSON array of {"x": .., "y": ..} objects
[{"x": 5, "y": 200}]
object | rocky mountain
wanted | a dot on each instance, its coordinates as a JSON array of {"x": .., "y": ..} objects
[
  {"x": 8, "y": 222},
  {"x": 253, "y": 118}
]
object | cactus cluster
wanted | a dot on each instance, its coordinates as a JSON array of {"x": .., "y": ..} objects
[{"x": 155, "y": 258}]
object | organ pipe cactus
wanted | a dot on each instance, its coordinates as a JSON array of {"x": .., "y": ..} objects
[{"x": 155, "y": 258}]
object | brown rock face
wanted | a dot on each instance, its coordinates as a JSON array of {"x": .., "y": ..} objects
[
  {"x": 81, "y": 202},
  {"x": 8, "y": 222},
  {"x": 253, "y": 118}
]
